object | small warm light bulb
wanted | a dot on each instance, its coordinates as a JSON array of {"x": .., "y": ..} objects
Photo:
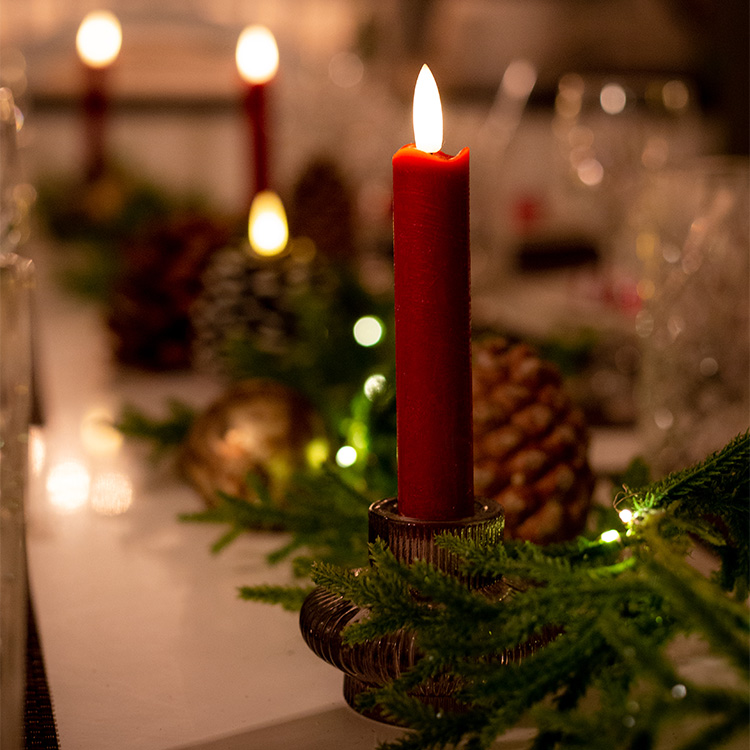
[
  {"x": 374, "y": 385},
  {"x": 368, "y": 330},
  {"x": 111, "y": 494},
  {"x": 99, "y": 39},
  {"x": 316, "y": 452},
  {"x": 610, "y": 536},
  {"x": 68, "y": 486},
  {"x": 267, "y": 226},
  {"x": 428, "y": 114},
  {"x": 346, "y": 456},
  {"x": 613, "y": 98},
  {"x": 626, "y": 515},
  {"x": 257, "y": 55},
  {"x": 98, "y": 434}
]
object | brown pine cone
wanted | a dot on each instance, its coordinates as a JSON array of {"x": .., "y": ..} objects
[
  {"x": 149, "y": 313},
  {"x": 530, "y": 443}
]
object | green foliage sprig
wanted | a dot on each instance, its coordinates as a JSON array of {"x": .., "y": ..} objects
[
  {"x": 325, "y": 519},
  {"x": 162, "y": 434},
  {"x": 608, "y": 679}
]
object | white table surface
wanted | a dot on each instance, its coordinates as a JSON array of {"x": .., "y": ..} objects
[{"x": 145, "y": 641}]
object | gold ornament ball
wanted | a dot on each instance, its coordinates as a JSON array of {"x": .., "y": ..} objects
[{"x": 257, "y": 427}]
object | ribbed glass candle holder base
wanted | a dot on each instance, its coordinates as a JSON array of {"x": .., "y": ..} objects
[{"x": 372, "y": 664}]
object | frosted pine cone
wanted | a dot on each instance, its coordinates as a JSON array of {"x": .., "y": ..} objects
[{"x": 530, "y": 443}]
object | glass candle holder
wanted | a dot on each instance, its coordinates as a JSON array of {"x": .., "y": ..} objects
[{"x": 325, "y": 615}]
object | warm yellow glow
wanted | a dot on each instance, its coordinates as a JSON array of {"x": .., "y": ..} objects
[
  {"x": 346, "y": 456},
  {"x": 98, "y": 434},
  {"x": 37, "y": 450},
  {"x": 368, "y": 330},
  {"x": 626, "y": 515},
  {"x": 374, "y": 385},
  {"x": 267, "y": 227},
  {"x": 645, "y": 289},
  {"x": 111, "y": 494},
  {"x": 257, "y": 55},
  {"x": 99, "y": 39},
  {"x": 68, "y": 486},
  {"x": 428, "y": 114},
  {"x": 316, "y": 452},
  {"x": 610, "y": 536}
]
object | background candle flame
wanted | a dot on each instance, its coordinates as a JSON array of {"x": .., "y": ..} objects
[
  {"x": 99, "y": 39},
  {"x": 267, "y": 225},
  {"x": 428, "y": 114},
  {"x": 257, "y": 55}
]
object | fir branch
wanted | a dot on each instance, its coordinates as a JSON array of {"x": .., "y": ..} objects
[
  {"x": 709, "y": 500},
  {"x": 305, "y": 512},
  {"x": 289, "y": 597},
  {"x": 163, "y": 434},
  {"x": 617, "y": 605},
  {"x": 722, "y": 474}
]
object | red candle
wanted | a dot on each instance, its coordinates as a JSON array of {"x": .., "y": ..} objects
[
  {"x": 254, "y": 103},
  {"x": 95, "y": 106},
  {"x": 257, "y": 59},
  {"x": 98, "y": 42},
  {"x": 433, "y": 320}
]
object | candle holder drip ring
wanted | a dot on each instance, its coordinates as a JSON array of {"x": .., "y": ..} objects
[{"x": 372, "y": 664}]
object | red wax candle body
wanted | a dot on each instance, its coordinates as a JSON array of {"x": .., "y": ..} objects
[
  {"x": 433, "y": 334},
  {"x": 95, "y": 106},
  {"x": 256, "y": 113}
]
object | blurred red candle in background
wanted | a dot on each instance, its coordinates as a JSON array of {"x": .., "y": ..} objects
[
  {"x": 257, "y": 58},
  {"x": 433, "y": 319},
  {"x": 98, "y": 42}
]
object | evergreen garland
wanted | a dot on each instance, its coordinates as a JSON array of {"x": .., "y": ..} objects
[
  {"x": 607, "y": 680},
  {"x": 311, "y": 501},
  {"x": 162, "y": 434}
]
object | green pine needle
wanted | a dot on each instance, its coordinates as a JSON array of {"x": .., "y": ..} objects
[
  {"x": 163, "y": 434},
  {"x": 289, "y": 597},
  {"x": 305, "y": 513},
  {"x": 607, "y": 679}
]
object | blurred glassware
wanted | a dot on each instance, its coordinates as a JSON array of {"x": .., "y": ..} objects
[
  {"x": 610, "y": 129},
  {"x": 9, "y": 172},
  {"x": 16, "y": 279},
  {"x": 16, "y": 196},
  {"x": 693, "y": 242}
]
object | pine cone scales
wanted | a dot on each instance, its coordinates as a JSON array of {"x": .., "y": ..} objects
[{"x": 530, "y": 443}]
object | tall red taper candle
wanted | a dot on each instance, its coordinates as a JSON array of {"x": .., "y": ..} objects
[
  {"x": 255, "y": 113},
  {"x": 98, "y": 43},
  {"x": 257, "y": 58},
  {"x": 95, "y": 106},
  {"x": 433, "y": 329}
]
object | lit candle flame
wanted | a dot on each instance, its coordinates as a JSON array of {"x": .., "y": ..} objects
[
  {"x": 267, "y": 225},
  {"x": 257, "y": 55},
  {"x": 99, "y": 39},
  {"x": 428, "y": 114}
]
